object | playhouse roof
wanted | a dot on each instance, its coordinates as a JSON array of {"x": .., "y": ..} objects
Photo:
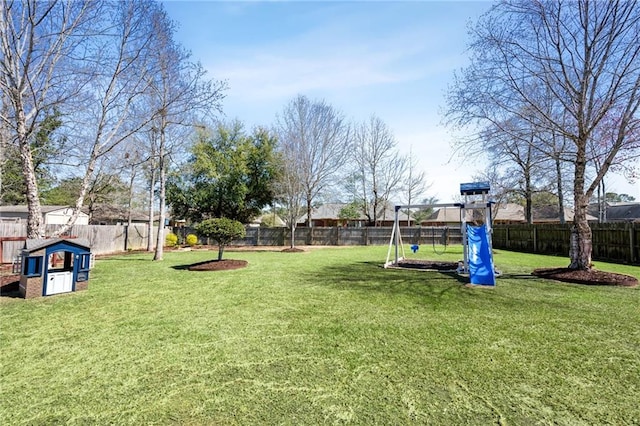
[{"x": 37, "y": 244}]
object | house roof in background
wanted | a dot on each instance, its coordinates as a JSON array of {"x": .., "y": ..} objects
[
  {"x": 277, "y": 220},
  {"x": 551, "y": 213},
  {"x": 444, "y": 214},
  {"x": 509, "y": 212},
  {"x": 115, "y": 213},
  {"x": 623, "y": 212},
  {"x": 332, "y": 211},
  {"x": 25, "y": 209}
]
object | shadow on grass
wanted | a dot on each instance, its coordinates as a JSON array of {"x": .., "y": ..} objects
[
  {"x": 124, "y": 259},
  {"x": 189, "y": 265},
  {"x": 11, "y": 291},
  {"x": 369, "y": 277}
]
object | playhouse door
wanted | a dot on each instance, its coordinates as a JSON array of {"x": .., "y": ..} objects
[{"x": 59, "y": 282}]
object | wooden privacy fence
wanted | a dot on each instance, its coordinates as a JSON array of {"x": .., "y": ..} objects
[
  {"x": 615, "y": 242},
  {"x": 340, "y": 236},
  {"x": 103, "y": 239}
]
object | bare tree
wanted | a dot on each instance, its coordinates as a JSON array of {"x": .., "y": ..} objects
[
  {"x": 109, "y": 115},
  {"x": 586, "y": 54},
  {"x": 290, "y": 188},
  {"x": 88, "y": 60},
  {"x": 511, "y": 146},
  {"x": 320, "y": 136},
  {"x": 178, "y": 95},
  {"x": 37, "y": 42},
  {"x": 414, "y": 183},
  {"x": 380, "y": 167}
]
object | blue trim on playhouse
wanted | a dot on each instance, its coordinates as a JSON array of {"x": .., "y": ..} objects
[{"x": 77, "y": 259}]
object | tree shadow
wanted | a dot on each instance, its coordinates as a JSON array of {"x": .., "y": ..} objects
[
  {"x": 190, "y": 265},
  {"x": 371, "y": 277}
]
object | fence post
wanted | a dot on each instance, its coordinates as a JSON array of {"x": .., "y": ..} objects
[
  {"x": 535, "y": 239},
  {"x": 631, "y": 259},
  {"x": 507, "y": 243}
]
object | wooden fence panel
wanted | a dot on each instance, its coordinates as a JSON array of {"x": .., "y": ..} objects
[
  {"x": 352, "y": 237},
  {"x": 615, "y": 242},
  {"x": 323, "y": 236},
  {"x": 11, "y": 249},
  {"x": 103, "y": 239},
  {"x": 377, "y": 236},
  {"x": 137, "y": 236},
  {"x": 271, "y": 236},
  {"x": 552, "y": 239}
]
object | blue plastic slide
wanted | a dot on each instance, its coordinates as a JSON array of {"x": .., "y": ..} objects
[{"x": 481, "y": 270}]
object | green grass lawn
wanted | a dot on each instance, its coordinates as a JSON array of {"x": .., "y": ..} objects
[{"x": 322, "y": 337}]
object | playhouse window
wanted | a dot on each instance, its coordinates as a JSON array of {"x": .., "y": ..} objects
[
  {"x": 85, "y": 262},
  {"x": 61, "y": 261},
  {"x": 32, "y": 266}
]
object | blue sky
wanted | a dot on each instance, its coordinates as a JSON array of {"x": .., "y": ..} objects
[{"x": 391, "y": 59}]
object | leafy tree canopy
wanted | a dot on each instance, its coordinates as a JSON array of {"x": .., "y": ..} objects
[
  {"x": 612, "y": 197},
  {"x": 230, "y": 174},
  {"x": 350, "y": 212},
  {"x": 45, "y": 146}
]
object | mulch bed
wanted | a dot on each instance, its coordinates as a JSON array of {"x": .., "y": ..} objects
[
  {"x": 428, "y": 265},
  {"x": 587, "y": 277},
  {"x": 292, "y": 250},
  {"x": 218, "y": 265}
]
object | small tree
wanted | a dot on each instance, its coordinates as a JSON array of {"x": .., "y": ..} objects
[
  {"x": 222, "y": 230},
  {"x": 349, "y": 212}
]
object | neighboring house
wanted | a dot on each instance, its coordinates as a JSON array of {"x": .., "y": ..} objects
[
  {"x": 623, "y": 212},
  {"x": 450, "y": 216},
  {"x": 108, "y": 214},
  {"x": 619, "y": 212},
  {"x": 51, "y": 215},
  {"x": 444, "y": 216},
  {"x": 551, "y": 214},
  {"x": 272, "y": 219},
  {"x": 504, "y": 214},
  {"x": 328, "y": 215}
]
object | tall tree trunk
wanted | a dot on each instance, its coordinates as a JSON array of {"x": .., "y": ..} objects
[
  {"x": 581, "y": 243},
  {"x": 528, "y": 210},
  {"x": 161, "y": 195},
  {"x": 309, "y": 223},
  {"x": 152, "y": 184},
  {"x": 560, "y": 191},
  {"x": 35, "y": 227},
  {"x": 130, "y": 197}
]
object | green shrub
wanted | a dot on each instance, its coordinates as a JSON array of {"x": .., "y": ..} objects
[
  {"x": 191, "y": 240},
  {"x": 171, "y": 240},
  {"x": 222, "y": 230}
]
